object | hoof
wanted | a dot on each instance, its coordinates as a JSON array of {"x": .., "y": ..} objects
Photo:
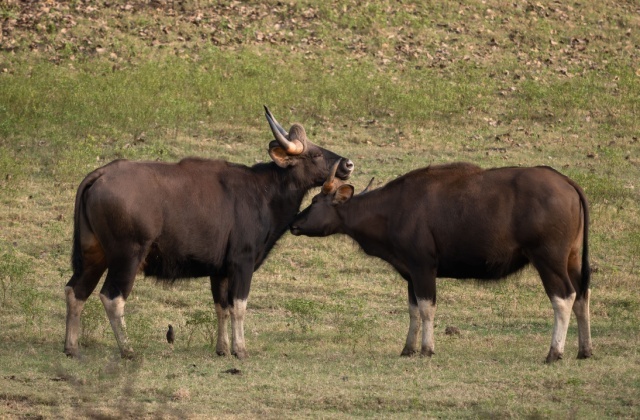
[
  {"x": 408, "y": 352},
  {"x": 72, "y": 353},
  {"x": 127, "y": 354},
  {"x": 585, "y": 354},
  {"x": 241, "y": 355},
  {"x": 553, "y": 356},
  {"x": 222, "y": 348},
  {"x": 427, "y": 353}
]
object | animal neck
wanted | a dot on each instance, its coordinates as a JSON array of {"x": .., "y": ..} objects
[
  {"x": 284, "y": 192},
  {"x": 290, "y": 181},
  {"x": 363, "y": 220}
]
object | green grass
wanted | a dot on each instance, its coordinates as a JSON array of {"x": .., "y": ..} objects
[{"x": 394, "y": 86}]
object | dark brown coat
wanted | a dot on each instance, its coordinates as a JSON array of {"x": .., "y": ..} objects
[
  {"x": 461, "y": 221},
  {"x": 194, "y": 218}
]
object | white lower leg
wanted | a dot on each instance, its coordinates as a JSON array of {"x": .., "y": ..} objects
[
  {"x": 581, "y": 309},
  {"x": 222, "y": 345},
  {"x": 411, "y": 345},
  {"x": 238, "y": 311},
  {"x": 74, "y": 310},
  {"x": 115, "y": 312},
  {"x": 562, "y": 313},
  {"x": 427, "y": 312}
]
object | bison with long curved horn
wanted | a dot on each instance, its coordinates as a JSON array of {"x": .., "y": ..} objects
[
  {"x": 294, "y": 142},
  {"x": 194, "y": 218}
]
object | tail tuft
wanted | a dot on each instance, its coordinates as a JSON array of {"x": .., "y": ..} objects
[{"x": 586, "y": 268}]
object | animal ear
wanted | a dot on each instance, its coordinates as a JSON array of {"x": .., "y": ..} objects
[
  {"x": 343, "y": 194},
  {"x": 280, "y": 157}
]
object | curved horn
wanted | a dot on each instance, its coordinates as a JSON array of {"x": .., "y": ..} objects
[
  {"x": 270, "y": 115},
  {"x": 329, "y": 185},
  {"x": 292, "y": 148},
  {"x": 366, "y": 190}
]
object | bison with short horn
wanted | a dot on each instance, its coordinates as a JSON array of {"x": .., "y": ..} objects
[{"x": 460, "y": 221}]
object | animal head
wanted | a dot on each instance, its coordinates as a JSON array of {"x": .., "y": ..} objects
[
  {"x": 321, "y": 218},
  {"x": 295, "y": 151}
]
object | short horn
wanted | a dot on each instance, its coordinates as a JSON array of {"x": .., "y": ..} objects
[
  {"x": 329, "y": 185},
  {"x": 366, "y": 190},
  {"x": 292, "y": 148}
]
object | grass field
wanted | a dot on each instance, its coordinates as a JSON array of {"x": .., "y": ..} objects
[{"x": 392, "y": 85}]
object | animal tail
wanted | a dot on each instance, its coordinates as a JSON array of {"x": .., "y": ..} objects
[
  {"x": 79, "y": 212},
  {"x": 586, "y": 269}
]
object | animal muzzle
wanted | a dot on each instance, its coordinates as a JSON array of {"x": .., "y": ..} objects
[
  {"x": 345, "y": 169},
  {"x": 295, "y": 227}
]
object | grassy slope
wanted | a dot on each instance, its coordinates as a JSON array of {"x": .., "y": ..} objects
[{"x": 393, "y": 86}]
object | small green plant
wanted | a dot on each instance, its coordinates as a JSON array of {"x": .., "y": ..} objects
[
  {"x": 139, "y": 329},
  {"x": 203, "y": 321},
  {"x": 352, "y": 323},
  {"x": 93, "y": 320},
  {"x": 303, "y": 313},
  {"x": 8, "y": 12},
  {"x": 30, "y": 303}
]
